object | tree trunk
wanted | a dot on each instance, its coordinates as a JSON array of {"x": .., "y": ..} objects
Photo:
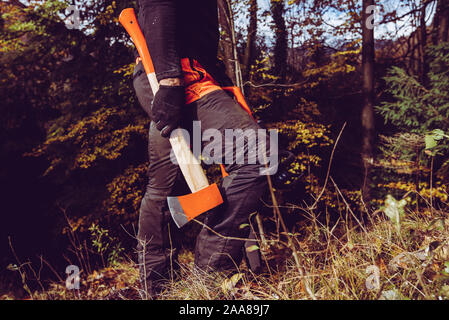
[
  {"x": 229, "y": 43},
  {"x": 280, "y": 46},
  {"x": 424, "y": 67},
  {"x": 443, "y": 17},
  {"x": 368, "y": 60},
  {"x": 436, "y": 24},
  {"x": 280, "y": 57},
  {"x": 250, "y": 49}
]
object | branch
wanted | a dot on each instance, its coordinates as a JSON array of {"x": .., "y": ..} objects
[
  {"x": 272, "y": 84},
  {"x": 17, "y": 3},
  {"x": 424, "y": 4}
]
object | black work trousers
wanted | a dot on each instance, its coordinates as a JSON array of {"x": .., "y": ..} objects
[{"x": 216, "y": 246}]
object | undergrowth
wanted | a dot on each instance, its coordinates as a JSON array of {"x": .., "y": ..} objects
[{"x": 346, "y": 259}]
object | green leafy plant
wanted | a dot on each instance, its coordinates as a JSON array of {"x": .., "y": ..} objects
[
  {"x": 106, "y": 245},
  {"x": 420, "y": 113},
  {"x": 432, "y": 140}
]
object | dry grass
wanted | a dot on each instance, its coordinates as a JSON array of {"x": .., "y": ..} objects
[
  {"x": 341, "y": 261},
  {"x": 408, "y": 265}
]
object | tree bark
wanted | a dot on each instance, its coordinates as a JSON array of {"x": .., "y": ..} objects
[
  {"x": 229, "y": 43},
  {"x": 280, "y": 46},
  {"x": 368, "y": 60},
  {"x": 443, "y": 17},
  {"x": 250, "y": 49},
  {"x": 280, "y": 57},
  {"x": 424, "y": 68},
  {"x": 436, "y": 24}
]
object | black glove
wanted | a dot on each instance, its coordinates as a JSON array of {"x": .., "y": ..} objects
[{"x": 166, "y": 110}]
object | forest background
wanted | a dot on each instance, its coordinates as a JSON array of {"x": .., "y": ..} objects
[{"x": 359, "y": 91}]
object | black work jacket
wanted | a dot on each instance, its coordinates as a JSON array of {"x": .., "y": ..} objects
[{"x": 176, "y": 29}]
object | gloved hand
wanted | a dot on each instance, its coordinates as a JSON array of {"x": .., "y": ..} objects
[{"x": 166, "y": 110}]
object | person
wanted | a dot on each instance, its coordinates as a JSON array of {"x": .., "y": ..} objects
[{"x": 183, "y": 37}]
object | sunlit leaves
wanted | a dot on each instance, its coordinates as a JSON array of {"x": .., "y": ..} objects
[{"x": 126, "y": 191}]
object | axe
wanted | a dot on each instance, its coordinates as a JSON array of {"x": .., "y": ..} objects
[{"x": 204, "y": 196}]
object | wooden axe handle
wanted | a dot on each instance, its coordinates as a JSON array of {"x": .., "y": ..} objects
[{"x": 190, "y": 166}]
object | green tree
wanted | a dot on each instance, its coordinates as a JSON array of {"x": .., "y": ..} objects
[
  {"x": 420, "y": 113},
  {"x": 69, "y": 112}
]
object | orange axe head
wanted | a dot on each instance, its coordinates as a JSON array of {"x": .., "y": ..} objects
[{"x": 185, "y": 208}]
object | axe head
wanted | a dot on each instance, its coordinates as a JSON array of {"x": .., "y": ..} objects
[{"x": 185, "y": 208}]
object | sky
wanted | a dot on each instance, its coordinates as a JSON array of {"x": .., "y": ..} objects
[
  {"x": 336, "y": 18},
  {"x": 331, "y": 18}
]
